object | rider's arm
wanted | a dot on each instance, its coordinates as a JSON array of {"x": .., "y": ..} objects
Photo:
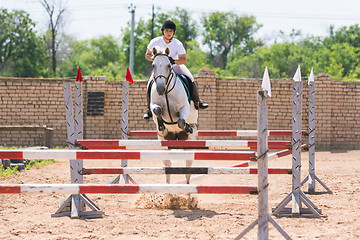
[
  {"x": 148, "y": 55},
  {"x": 181, "y": 60}
]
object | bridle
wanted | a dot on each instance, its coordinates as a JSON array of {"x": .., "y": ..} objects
[
  {"x": 167, "y": 83},
  {"x": 168, "y": 78}
]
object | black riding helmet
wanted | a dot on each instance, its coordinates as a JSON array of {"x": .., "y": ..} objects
[{"x": 168, "y": 24}]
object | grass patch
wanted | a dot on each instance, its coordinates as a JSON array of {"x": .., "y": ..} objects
[
  {"x": 38, "y": 163},
  {"x": 8, "y": 172}
]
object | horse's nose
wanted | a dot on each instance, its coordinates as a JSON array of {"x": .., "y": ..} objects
[{"x": 160, "y": 89}]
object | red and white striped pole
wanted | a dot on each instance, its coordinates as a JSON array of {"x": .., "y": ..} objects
[
  {"x": 178, "y": 144},
  {"x": 181, "y": 170},
  {"x": 125, "y": 188},
  {"x": 126, "y": 154},
  {"x": 221, "y": 133}
]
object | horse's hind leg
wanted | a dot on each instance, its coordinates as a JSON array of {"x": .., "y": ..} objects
[
  {"x": 167, "y": 163},
  {"x": 184, "y": 126},
  {"x": 187, "y": 176},
  {"x": 162, "y": 130},
  {"x": 184, "y": 114}
]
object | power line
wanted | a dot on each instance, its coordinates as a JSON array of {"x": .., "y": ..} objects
[{"x": 146, "y": 6}]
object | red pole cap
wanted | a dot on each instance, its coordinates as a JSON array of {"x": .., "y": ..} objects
[
  {"x": 78, "y": 76},
  {"x": 128, "y": 76}
]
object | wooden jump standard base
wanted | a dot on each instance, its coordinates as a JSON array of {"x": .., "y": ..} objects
[
  {"x": 178, "y": 144},
  {"x": 124, "y": 188}
]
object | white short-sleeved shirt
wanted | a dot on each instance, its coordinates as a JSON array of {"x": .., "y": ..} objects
[{"x": 175, "y": 46}]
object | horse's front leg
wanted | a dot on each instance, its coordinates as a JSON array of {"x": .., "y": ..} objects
[
  {"x": 157, "y": 111},
  {"x": 168, "y": 164},
  {"x": 187, "y": 176},
  {"x": 183, "y": 115}
]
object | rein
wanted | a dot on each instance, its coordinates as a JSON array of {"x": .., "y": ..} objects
[
  {"x": 167, "y": 91},
  {"x": 170, "y": 76}
]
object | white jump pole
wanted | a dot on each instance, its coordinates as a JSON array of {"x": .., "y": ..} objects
[
  {"x": 179, "y": 144},
  {"x": 69, "y": 113},
  {"x": 262, "y": 149},
  {"x": 311, "y": 186},
  {"x": 124, "y": 124},
  {"x": 80, "y": 189},
  {"x": 127, "y": 154},
  {"x": 296, "y": 145},
  {"x": 296, "y": 196},
  {"x": 312, "y": 176},
  {"x": 75, "y": 127},
  {"x": 180, "y": 170},
  {"x": 220, "y": 133}
]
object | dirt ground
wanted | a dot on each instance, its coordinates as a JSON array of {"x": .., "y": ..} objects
[{"x": 27, "y": 216}]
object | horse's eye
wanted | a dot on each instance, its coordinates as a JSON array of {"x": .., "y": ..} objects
[{"x": 169, "y": 66}]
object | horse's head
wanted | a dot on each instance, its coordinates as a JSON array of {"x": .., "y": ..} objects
[{"x": 161, "y": 69}]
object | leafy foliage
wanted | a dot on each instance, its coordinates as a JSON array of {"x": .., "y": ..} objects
[
  {"x": 230, "y": 48},
  {"x": 21, "y": 50},
  {"x": 225, "y": 30}
]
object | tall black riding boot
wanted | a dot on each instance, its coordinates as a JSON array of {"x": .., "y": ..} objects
[
  {"x": 197, "y": 102},
  {"x": 148, "y": 113}
]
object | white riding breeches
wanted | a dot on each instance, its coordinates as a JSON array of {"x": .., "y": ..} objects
[
  {"x": 182, "y": 69},
  {"x": 179, "y": 69}
]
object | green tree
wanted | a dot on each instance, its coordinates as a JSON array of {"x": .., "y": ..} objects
[
  {"x": 225, "y": 30},
  {"x": 69, "y": 55},
  {"x": 343, "y": 60},
  {"x": 22, "y": 52},
  {"x": 142, "y": 37},
  {"x": 185, "y": 31},
  {"x": 346, "y": 34},
  {"x": 343, "y": 48},
  {"x": 196, "y": 58},
  {"x": 100, "y": 56},
  {"x": 282, "y": 59},
  {"x": 55, "y": 22}
]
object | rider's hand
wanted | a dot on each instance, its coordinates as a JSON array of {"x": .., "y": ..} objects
[{"x": 172, "y": 61}]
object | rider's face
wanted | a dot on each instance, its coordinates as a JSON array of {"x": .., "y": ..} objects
[{"x": 168, "y": 33}]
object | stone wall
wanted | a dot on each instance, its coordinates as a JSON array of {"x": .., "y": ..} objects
[{"x": 232, "y": 106}]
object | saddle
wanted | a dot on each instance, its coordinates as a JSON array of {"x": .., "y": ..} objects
[{"x": 187, "y": 83}]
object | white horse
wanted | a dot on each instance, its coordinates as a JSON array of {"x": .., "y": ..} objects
[{"x": 174, "y": 113}]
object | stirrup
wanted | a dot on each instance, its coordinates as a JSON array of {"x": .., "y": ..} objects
[{"x": 203, "y": 105}]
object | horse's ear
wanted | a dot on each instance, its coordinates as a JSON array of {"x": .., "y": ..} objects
[
  {"x": 167, "y": 51},
  {"x": 154, "y": 51}
]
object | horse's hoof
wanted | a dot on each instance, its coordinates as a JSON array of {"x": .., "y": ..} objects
[
  {"x": 163, "y": 133},
  {"x": 157, "y": 111},
  {"x": 188, "y": 129},
  {"x": 181, "y": 123}
]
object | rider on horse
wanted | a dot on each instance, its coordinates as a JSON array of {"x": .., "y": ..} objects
[{"x": 177, "y": 58}]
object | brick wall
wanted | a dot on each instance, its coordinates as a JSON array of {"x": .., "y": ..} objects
[{"x": 232, "y": 106}]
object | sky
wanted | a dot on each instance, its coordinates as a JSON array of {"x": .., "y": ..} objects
[{"x": 87, "y": 19}]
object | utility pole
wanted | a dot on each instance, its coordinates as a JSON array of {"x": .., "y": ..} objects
[
  {"x": 152, "y": 22},
  {"x": 131, "y": 59}
]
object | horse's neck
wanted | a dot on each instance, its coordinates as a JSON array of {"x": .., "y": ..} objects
[
  {"x": 176, "y": 95},
  {"x": 173, "y": 80},
  {"x": 175, "y": 87}
]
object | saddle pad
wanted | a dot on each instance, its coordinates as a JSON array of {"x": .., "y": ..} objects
[{"x": 186, "y": 81}]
